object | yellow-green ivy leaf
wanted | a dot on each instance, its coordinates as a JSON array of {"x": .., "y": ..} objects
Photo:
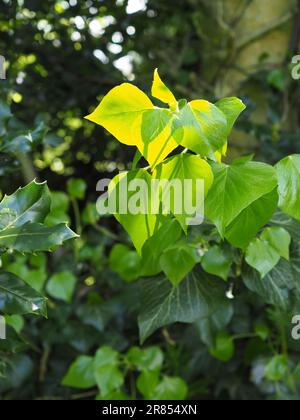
[
  {"x": 130, "y": 116},
  {"x": 162, "y": 92}
]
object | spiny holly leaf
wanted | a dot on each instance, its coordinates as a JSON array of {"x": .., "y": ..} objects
[
  {"x": 33, "y": 237},
  {"x": 235, "y": 188},
  {"x": 288, "y": 172},
  {"x": 28, "y": 204},
  {"x": 16, "y": 297},
  {"x": 199, "y": 297},
  {"x": 22, "y": 141}
]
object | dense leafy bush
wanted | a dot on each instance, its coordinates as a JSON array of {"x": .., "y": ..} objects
[{"x": 61, "y": 56}]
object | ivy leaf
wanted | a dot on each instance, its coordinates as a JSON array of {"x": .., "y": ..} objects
[
  {"x": 231, "y": 108},
  {"x": 130, "y": 116},
  {"x": 216, "y": 262},
  {"x": 170, "y": 388},
  {"x": 261, "y": 256},
  {"x": 148, "y": 359},
  {"x": 136, "y": 218},
  {"x": 33, "y": 237},
  {"x": 288, "y": 172},
  {"x": 279, "y": 239},
  {"x": 264, "y": 253},
  {"x": 16, "y": 297},
  {"x": 162, "y": 92},
  {"x": 246, "y": 225},
  {"x": 107, "y": 374},
  {"x": 80, "y": 374},
  {"x": 235, "y": 188},
  {"x": 76, "y": 188},
  {"x": 276, "y": 286},
  {"x": 177, "y": 261},
  {"x": 288, "y": 223},
  {"x": 147, "y": 382},
  {"x": 188, "y": 169},
  {"x": 196, "y": 298},
  {"x": 168, "y": 234},
  {"x": 106, "y": 356},
  {"x": 224, "y": 347},
  {"x": 201, "y": 127},
  {"x": 61, "y": 286},
  {"x": 277, "y": 368},
  {"x": 28, "y": 204},
  {"x": 125, "y": 262}
]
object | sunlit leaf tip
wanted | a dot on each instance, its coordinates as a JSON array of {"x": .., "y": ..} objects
[{"x": 162, "y": 92}]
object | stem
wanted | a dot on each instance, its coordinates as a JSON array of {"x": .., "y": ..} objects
[
  {"x": 106, "y": 232},
  {"x": 244, "y": 336},
  {"x": 284, "y": 348},
  {"x": 161, "y": 151},
  {"x": 78, "y": 225},
  {"x": 27, "y": 168},
  {"x": 77, "y": 216},
  {"x": 136, "y": 159}
]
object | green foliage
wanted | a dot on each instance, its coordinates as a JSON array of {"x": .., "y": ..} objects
[
  {"x": 108, "y": 370},
  {"x": 22, "y": 229},
  {"x": 200, "y": 57}
]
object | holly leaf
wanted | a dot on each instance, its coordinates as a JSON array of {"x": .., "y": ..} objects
[
  {"x": 33, "y": 237},
  {"x": 16, "y": 297},
  {"x": 28, "y": 204}
]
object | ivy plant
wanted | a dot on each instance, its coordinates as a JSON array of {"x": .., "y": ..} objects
[
  {"x": 250, "y": 208},
  {"x": 108, "y": 370}
]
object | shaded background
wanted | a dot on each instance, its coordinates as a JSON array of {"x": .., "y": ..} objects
[{"x": 62, "y": 58}]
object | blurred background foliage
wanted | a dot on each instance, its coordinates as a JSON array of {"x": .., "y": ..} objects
[{"x": 62, "y": 57}]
